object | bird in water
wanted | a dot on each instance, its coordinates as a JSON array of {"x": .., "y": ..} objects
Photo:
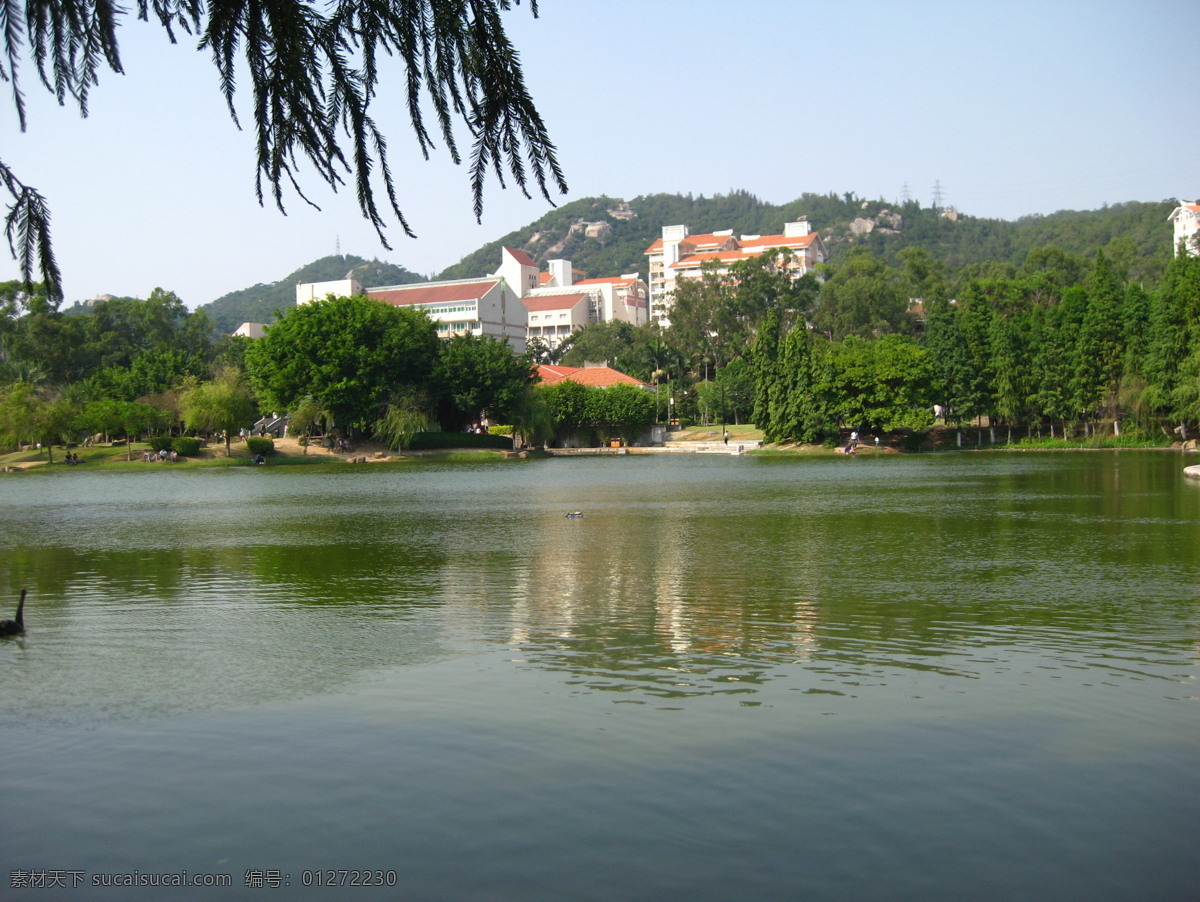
[{"x": 17, "y": 626}]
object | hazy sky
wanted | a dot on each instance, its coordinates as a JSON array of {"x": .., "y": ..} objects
[{"x": 1013, "y": 108}]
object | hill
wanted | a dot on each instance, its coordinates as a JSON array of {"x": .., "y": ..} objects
[
  {"x": 607, "y": 236},
  {"x": 604, "y": 236},
  {"x": 258, "y": 303}
]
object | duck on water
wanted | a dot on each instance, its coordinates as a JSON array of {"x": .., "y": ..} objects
[{"x": 17, "y": 626}]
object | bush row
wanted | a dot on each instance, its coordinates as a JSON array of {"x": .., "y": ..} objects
[
  {"x": 180, "y": 444},
  {"x": 437, "y": 441}
]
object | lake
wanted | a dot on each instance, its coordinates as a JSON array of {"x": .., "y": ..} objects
[{"x": 939, "y": 677}]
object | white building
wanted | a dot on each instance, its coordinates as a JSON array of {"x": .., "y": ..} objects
[
  {"x": 251, "y": 330},
  {"x": 1187, "y": 228},
  {"x": 679, "y": 255},
  {"x": 516, "y": 303},
  {"x": 482, "y": 307},
  {"x": 562, "y": 304}
]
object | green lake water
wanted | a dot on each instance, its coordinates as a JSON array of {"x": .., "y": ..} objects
[{"x": 964, "y": 676}]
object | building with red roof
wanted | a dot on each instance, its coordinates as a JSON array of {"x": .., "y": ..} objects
[
  {"x": 595, "y": 376},
  {"x": 681, "y": 255},
  {"x": 563, "y": 304}
]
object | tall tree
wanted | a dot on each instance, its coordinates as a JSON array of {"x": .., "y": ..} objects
[
  {"x": 481, "y": 376},
  {"x": 862, "y": 297},
  {"x": 350, "y": 355},
  {"x": 314, "y": 71},
  {"x": 224, "y": 404}
]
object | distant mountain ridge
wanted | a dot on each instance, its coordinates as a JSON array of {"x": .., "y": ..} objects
[
  {"x": 258, "y": 303},
  {"x": 607, "y": 237},
  {"x": 604, "y": 236}
]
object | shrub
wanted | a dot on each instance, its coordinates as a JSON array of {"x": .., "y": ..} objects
[
  {"x": 186, "y": 445},
  {"x": 436, "y": 441},
  {"x": 160, "y": 442},
  {"x": 500, "y": 430},
  {"x": 257, "y": 444}
]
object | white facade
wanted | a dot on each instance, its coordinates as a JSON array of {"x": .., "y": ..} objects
[
  {"x": 623, "y": 299},
  {"x": 1186, "y": 218},
  {"x": 680, "y": 255},
  {"x": 251, "y": 330},
  {"x": 481, "y": 307},
  {"x": 307, "y": 292},
  {"x": 552, "y": 318},
  {"x": 515, "y": 304}
]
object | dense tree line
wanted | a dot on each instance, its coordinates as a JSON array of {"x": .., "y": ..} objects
[
  {"x": 1060, "y": 342},
  {"x": 128, "y": 368}
]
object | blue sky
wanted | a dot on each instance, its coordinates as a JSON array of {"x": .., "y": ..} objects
[{"x": 1012, "y": 108}]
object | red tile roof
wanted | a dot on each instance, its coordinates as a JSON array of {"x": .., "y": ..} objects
[
  {"x": 708, "y": 241},
  {"x": 433, "y": 294},
  {"x": 766, "y": 241},
  {"x": 520, "y": 256},
  {"x": 695, "y": 260},
  {"x": 599, "y": 376},
  {"x": 553, "y": 301},
  {"x": 613, "y": 281}
]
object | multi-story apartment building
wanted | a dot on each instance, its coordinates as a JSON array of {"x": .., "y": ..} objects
[
  {"x": 680, "y": 255},
  {"x": 561, "y": 304}
]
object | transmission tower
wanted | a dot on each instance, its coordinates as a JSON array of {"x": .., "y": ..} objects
[
  {"x": 905, "y": 194},
  {"x": 937, "y": 195}
]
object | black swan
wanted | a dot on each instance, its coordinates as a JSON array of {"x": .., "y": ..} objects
[{"x": 15, "y": 627}]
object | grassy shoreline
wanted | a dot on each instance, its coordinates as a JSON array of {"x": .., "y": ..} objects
[{"x": 288, "y": 452}]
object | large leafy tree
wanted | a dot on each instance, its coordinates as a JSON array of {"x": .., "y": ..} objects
[
  {"x": 314, "y": 70},
  {"x": 222, "y": 405},
  {"x": 350, "y": 355},
  {"x": 862, "y": 297},
  {"x": 717, "y": 316},
  {"x": 481, "y": 376}
]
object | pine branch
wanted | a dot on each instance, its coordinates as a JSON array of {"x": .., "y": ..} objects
[{"x": 27, "y": 227}]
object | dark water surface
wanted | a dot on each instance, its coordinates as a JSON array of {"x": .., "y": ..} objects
[{"x": 958, "y": 677}]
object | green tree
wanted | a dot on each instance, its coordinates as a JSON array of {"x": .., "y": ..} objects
[
  {"x": 481, "y": 376},
  {"x": 886, "y": 383},
  {"x": 55, "y": 421},
  {"x": 729, "y": 396},
  {"x": 862, "y": 297},
  {"x": 125, "y": 418},
  {"x": 765, "y": 361},
  {"x": 627, "y": 408},
  {"x": 598, "y": 342},
  {"x": 1100, "y": 353},
  {"x": 222, "y": 405},
  {"x": 314, "y": 72},
  {"x": 302, "y": 418},
  {"x": 350, "y": 355},
  {"x": 566, "y": 402},
  {"x": 408, "y": 412}
]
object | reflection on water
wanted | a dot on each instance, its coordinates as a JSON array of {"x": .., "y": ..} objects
[{"x": 757, "y": 646}]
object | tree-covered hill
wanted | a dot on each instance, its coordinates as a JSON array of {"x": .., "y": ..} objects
[
  {"x": 607, "y": 236},
  {"x": 604, "y": 236},
  {"x": 258, "y": 303}
]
